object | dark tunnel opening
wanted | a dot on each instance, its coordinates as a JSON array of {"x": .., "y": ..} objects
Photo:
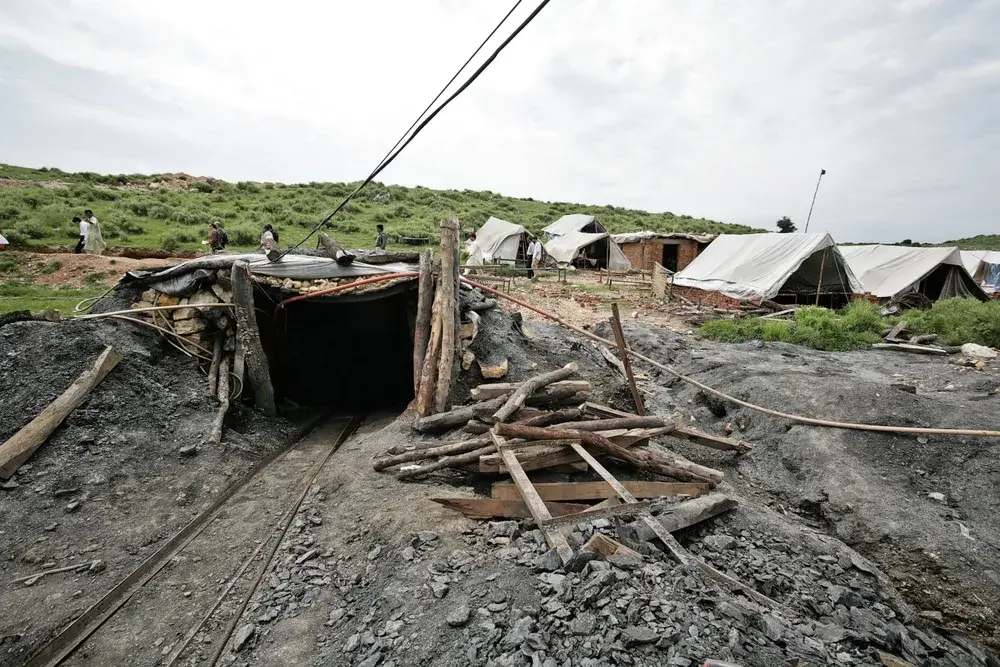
[{"x": 352, "y": 352}]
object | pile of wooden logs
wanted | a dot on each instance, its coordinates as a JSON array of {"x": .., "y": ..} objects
[
  {"x": 517, "y": 436},
  {"x": 899, "y": 339},
  {"x": 437, "y": 329}
]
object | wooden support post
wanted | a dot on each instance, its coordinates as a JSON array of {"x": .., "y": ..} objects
[
  {"x": 422, "y": 327},
  {"x": 248, "y": 335},
  {"x": 822, "y": 264},
  {"x": 215, "y": 434},
  {"x": 449, "y": 308},
  {"x": 616, "y": 327},
  {"x": 336, "y": 251},
  {"x": 213, "y": 370},
  {"x": 563, "y": 491},
  {"x": 25, "y": 442},
  {"x": 539, "y": 513},
  {"x": 428, "y": 373}
]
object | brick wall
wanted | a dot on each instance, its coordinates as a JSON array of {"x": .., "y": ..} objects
[
  {"x": 643, "y": 254},
  {"x": 695, "y": 295},
  {"x": 686, "y": 253}
]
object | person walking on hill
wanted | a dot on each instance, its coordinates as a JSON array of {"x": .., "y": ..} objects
[
  {"x": 381, "y": 241},
  {"x": 269, "y": 239},
  {"x": 217, "y": 237},
  {"x": 94, "y": 244},
  {"x": 83, "y": 234}
]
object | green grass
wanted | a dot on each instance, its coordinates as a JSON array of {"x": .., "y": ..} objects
[
  {"x": 956, "y": 321},
  {"x": 20, "y": 295},
  {"x": 178, "y": 218},
  {"x": 981, "y": 242}
]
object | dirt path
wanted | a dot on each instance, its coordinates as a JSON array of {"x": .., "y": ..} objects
[{"x": 72, "y": 270}]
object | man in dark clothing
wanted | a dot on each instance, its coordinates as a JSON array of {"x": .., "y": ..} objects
[
  {"x": 381, "y": 241},
  {"x": 214, "y": 238},
  {"x": 83, "y": 235}
]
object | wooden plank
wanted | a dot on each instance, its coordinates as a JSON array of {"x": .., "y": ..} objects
[
  {"x": 606, "y": 547},
  {"x": 622, "y": 509},
  {"x": 561, "y": 491},
  {"x": 674, "y": 548},
  {"x": 548, "y": 456},
  {"x": 20, "y": 446},
  {"x": 709, "y": 440},
  {"x": 898, "y": 329},
  {"x": 463, "y": 458},
  {"x": 688, "y": 513},
  {"x": 916, "y": 349},
  {"x": 484, "y": 392},
  {"x": 605, "y": 412},
  {"x": 536, "y": 506},
  {"x": 489, "y": 508},
  {"x": 450, "y": 323},
  {"x": 422, "y": 325},
  {"x": 249, "y": 335},
  {"x": 621, "y": 422},
  {"x": 616, "y": 327}
]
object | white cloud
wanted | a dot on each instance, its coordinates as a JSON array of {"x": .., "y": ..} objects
[{"x": 726, "y": 110}]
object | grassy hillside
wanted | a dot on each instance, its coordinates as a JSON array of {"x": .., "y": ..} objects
[
  {"x": 981, "y": 242},
  {"x": 172, "y": 211}
]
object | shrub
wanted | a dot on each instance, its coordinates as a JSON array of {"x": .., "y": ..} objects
[
  {"x": 202, "y": 186},
  {"x": 170, "y": 243},
  {"x": 274, "y": 207},
  {"x": 139, "y": 208},
  {"x": 9, "y": 213},
  {"x": 243, "y": 235},
  {"x": 398, "y": 212},
  {"x": 247, "y": 186},
  {"x": 30, "y": 230},
  {"x": 133, "y": 227},
  {"x": 105, "y": 194},
  {"x": 161, "y": 212},
  {"x": 51, "y": 267},
  {"x": 958, "y": 321},
  {"x": 381, "y": 217}
]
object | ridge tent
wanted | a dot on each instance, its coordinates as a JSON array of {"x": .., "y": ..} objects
[
  {"x": 780, "y": 267},
  {"x": 889, "y": 272},
  {"x": 574, "y": 222},
  {"x": 502, "y": 241},
  {"x": 575, "y": 232},
  {"x": 983, "y": 266},
  {"x": 599, "y": 248}
]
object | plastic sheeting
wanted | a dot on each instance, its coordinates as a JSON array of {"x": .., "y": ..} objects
[
  {"x": 637, "y": 237},
  {"x": 499, "y": 240},
  {"x": 890, "y": 271},
  {"x": 574, "y": 222},
  {"x": 563, "y": 249},
  {"x": 757, "y": 266}
]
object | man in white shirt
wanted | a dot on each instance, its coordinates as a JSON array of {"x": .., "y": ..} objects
[
  {"x": 83, "y": 235},
  {"x": 536, "y": 256},
  {"x": 475, "y": 254}
]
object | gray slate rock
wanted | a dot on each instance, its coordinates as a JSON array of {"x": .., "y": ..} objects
[{"x": 458, "y": 617}]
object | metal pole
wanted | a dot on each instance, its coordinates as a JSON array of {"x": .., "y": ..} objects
[{"x": 821, "y": 172}]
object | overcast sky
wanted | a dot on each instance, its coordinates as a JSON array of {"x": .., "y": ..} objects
[{"x": 726, "y": 110}]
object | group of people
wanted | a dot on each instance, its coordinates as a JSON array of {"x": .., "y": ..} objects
[
  {"x": 91, "y": 240},
  {"x": 218, "y": 239}
]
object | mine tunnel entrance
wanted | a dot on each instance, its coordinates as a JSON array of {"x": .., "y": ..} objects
[{"x": 351, "y": 352}]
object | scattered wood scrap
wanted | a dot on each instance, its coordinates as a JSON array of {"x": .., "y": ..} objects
[
  {"x": 26, "y": 441},
  {"x": 485, "y": 392},
  {"x": 905, "y": 347},
  {"x": 529, "y": 387},
  {"x": 709, "y": 440},
  {"x": 563, "y": 491},
  {"x": 494, "y": 508}
]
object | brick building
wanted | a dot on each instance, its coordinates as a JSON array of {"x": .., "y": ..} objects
[{"x": 672, "y": 250}]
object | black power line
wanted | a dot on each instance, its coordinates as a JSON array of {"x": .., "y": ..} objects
[{"x": 405, "y": 140}]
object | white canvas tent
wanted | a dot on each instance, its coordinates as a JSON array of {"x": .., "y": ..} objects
[
  {"x": 891, "y": 271},
  {"x": 983, "y": 266},
  {"x": 572, "y": 233},
  {"x": 762, "y": 266},
  {"x": 501, "y": 241},
  {"x": 564, "y": 249},
  {"x": 574, "y": 222}
]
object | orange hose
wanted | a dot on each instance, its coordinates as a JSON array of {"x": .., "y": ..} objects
[
  {"x": 811, "y": 421},
  {"x": 356, "y": 283}
]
